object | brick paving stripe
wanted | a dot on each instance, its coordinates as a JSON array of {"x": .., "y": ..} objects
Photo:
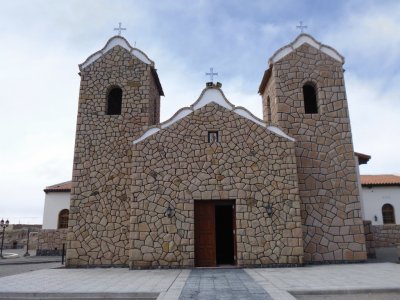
[{"x": 222, "y": 284}]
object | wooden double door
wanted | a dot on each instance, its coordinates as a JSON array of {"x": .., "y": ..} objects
[{"x": 214, "y": 233}]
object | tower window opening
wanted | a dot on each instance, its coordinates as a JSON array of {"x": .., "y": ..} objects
[
  {"x": 310, "y": 99},
  {"x": 268, "y": 109},
  {"x": 114, "y": 101}
]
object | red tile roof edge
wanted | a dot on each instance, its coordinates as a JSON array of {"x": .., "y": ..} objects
[
  {"x": 381, "y": 179},
  {"x": 59, "y": 187}
]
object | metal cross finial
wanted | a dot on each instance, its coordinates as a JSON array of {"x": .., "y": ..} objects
[
  {"x": 302, "y": 27},
  {"x": 119, "y": 28},
  {"x": 211, "y": 74}
]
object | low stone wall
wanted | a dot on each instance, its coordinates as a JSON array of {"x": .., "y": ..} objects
[
  {"x": 369, "y": 239},
  {"x": 386, "y": 235},
  {"x": 50, "y": 242},
  {"x": 16, "y": 237}
]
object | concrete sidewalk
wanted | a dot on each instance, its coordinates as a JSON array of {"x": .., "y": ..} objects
[
  {"x": 329, "y": 279},
  {"x": 280, "y": 283}
]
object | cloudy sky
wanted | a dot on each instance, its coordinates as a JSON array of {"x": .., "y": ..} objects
[{"x": 42, "y": 43}]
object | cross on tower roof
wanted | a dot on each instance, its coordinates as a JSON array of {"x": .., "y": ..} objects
[
  {"x": 119, "y": 28},
  {"x": 302, "y": 27},
  {"x": 211, "y": 74}
]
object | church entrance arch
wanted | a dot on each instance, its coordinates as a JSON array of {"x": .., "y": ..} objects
[{"x": 214, "y": 233}]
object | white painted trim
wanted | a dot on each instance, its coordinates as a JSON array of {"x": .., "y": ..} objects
[
  {"x": 332, "y": 53},
  {"x": 248, "y": 115},
  {"x": 300, "y": 40},
  {"x": 280, "y": 132},
  {"x": 148, "y": 133},
  {"x": 211, "y": 95},
  {"x": 143, "y": 57},
  {"x": 281, "y": 54},
  {"x": 111, "y": 43},
  {"x": 180, "y": 114}
]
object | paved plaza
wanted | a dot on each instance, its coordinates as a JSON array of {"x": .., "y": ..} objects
[{"x": 352, "y": 281}]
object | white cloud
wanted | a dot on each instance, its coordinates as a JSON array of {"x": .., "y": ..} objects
[
  {"x": 368, "y": 33},
  {"x": 375, "y": 124}
]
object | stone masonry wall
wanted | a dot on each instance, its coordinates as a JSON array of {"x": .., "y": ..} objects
[
  {"x": 331, "y": 216},
  {"x": 16, "y": 236},
  {"x": 250, "y": 165},
  {"x": 386, "y": 235},
  {"x": 50, "y": 241},
  {"x": 369, "y": 239},
  {"x": 100, "y": 196}
]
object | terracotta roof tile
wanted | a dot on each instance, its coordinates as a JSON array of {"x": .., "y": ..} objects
[
  {"x": 386, "y": 179},
  {"x": 60, "y": 187}
]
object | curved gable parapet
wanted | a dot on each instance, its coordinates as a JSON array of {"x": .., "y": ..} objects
[
  {"x": 305, "y": 39},
  {"x": 212, "y": 94},
  {"x": 111, "y": 43},
  {"x": 241, "y": 111},
  {"x": 207, "y": 96}
]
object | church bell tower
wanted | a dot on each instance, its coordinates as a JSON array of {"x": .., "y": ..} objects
[
  {"x": 303, "y": 92},
  {"x": 119, "y": 95}
]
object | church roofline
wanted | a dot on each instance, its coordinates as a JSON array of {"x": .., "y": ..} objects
[
  {"x": 264, "y": 80},
  {"x": 300, "y": 40},
  {"x": 157, "y": 80},
  {"x": 362, "y": 158},
  {"x": 111, "y": 43},
  {"x": 211, "y": 95},
  {"x": 59, "y": 187}
]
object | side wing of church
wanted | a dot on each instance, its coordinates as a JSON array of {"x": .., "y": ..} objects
[{"x": 214, "y": 185}]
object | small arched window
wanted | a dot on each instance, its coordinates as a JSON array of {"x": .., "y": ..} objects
[
  {"x": 388, "y": 214},
  {"x": 63, "y": 219},
  {"x": 268, "y": 109},
  {"x": 114, "y": 101},
  {"x": 310, "y": 99}
]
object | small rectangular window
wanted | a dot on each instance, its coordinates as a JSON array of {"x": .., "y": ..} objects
[
  {"x": 114, "y": 101},
  {"x": 213, "y": 137},
  {"x": 310, "y": 99}
]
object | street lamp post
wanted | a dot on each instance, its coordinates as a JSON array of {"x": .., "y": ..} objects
[{"x": 3, "y": 225}]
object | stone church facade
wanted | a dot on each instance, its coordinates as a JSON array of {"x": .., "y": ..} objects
[{"x": 214, "y": 185}]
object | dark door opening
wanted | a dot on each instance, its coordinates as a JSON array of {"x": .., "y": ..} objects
[
  {"x": 214, "y": 224},
  {"x": 224, "y": 234}
]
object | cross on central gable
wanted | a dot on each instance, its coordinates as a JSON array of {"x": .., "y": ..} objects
[
  {"x": 211, "y": 74},
  {"x": 301, "y": 27},
  {"x": 119, "y": 29}
]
